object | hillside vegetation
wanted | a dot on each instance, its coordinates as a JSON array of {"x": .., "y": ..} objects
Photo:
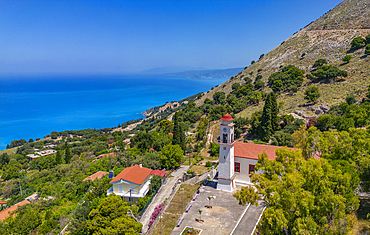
[{"x": 329, "y": 37}]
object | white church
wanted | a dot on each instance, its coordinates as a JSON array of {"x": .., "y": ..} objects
[{"x": 237, "y": 160}]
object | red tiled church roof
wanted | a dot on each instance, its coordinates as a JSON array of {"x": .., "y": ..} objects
[
  {"x": 134, "y": 174},
  {"x": 227, "y": 117},
  {"x": 251, "y": 151},
  {"x": 97, "y": 175},
  {"x": 5, "y": 213}
]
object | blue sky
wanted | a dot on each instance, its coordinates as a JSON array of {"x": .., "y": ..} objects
[{"x": 114, "y": 37}]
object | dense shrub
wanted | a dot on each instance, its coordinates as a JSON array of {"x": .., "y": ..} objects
[
  {"x": 357, "y": 43},
  {"x": 259, "y": 84},
  {"x": 288, "y": 79},
  {"x": 327, "y": 72},
  {"x": 320, "y": 62}
]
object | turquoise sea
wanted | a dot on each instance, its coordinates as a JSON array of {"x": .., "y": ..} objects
[{"x": 32, "y": 107}]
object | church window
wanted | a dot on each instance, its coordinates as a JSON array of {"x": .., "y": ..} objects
[
  {"x": 251, "y": 168},
  {"x": 237, "y": 167},
  {"x": 224, "y": 157},
  {"x": 224, "y": 148},
  {"x": 224, "y": 138}
]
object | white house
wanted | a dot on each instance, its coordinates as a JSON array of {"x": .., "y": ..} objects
[
  {"x": 133, "y": 182},
  {"x": 236, "y": 159}
]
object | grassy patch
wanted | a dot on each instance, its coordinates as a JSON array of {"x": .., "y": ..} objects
[
  {"x": 175, "y": 209},
  {"x": 189, "y": 230},
  {"x": 9, "y": 151},
  {"x": 199, "y": 169}
]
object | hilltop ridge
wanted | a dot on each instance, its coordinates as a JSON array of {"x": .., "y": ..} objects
[{"x": 328, "y": 37}]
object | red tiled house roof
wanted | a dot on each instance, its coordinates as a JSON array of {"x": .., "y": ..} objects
[
  {"x": 134, "y": 174},
  {"x": 5, "y": 213},
  {"x": 158, "y": 172},
  {"x": 97, "y": 175},
  {"x": 107, "y": 155}
]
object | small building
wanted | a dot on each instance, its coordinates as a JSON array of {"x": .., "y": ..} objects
[
  {"x": 132, "y": 183},
  {"x": 107, "y": 155},
  {"x": 127, "y": 141},
  {"x": 6, "y": 213},
  {"x": 33, "y": 156},
  {"x": 161, "y": 174},
  {"x": 97, "y": 175}
]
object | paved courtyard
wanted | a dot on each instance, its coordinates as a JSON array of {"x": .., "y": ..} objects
[{"x": 221, "y": 219}]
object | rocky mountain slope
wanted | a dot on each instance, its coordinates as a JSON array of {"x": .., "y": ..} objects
[{"x": 328, "y": 37}]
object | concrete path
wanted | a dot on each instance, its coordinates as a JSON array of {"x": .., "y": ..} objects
[
  {"x": 163, "y": 193},
  {"x": 249, "y": 220}
]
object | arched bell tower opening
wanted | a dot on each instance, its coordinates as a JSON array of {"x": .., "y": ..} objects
[{"x": 226, "y": 174}]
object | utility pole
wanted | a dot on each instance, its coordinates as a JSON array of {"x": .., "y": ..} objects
[
  {"x": 20, "y": 186},
  {"x": 130, "y": 200}
]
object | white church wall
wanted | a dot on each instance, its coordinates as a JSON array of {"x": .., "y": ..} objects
[{"x": 243, "y": 175}]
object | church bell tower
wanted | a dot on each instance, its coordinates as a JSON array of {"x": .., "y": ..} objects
[{"x": 226, "y": 175}]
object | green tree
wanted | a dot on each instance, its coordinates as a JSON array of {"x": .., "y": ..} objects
[
  {"x": 259, "y": 84},
  {"x": 219, "y": 97},
  {"x": 351, "y": 99},
  {"x": 357, "y": 43},
  {"x": 347, "y": 58},
  {"x": 312, "y": 93},
  {"x": 325, "y": 122},
  {"x": 67, "y": 153},
  {"x": 328, "y": 72},
  {"x": 111, "y": 217},
  {"x": 235, "y": 86},
  {"x": 302, "y": 196},
  {"x": 368, "y": 39},
  {"x": 230, "y": 98},
  {"x": 208, "y": 101},
  {"x": 248, "y": 80},
  {"x": 265, "y": 127},
  {"x": 155, "y": 183},
  {"x": 171, "y": 156},
  {"x": 166, "y": 126},
  {"x": 320, "y": 62},
  {"x": 258, "y": 77},
  {"x": 367, "y": 49},
  {"x": 176, "y": 130},
  {"x": 277, "y": 86},
  {"x": 58, "y": 157},
  {"x": 274, "y": 113}
]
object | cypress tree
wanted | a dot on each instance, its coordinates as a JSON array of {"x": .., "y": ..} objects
[
  {"x": 176, "y": 130},
  {"x": 182, "y": 139},
  {"x": 68, "y": 156},
  {"x": 274, "y": 113},
  {"x": 265, "y": 125},
  {"x": 58, "y": 158}
]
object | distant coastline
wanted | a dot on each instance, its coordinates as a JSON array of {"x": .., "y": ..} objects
[{"x": 34, "y": 107}]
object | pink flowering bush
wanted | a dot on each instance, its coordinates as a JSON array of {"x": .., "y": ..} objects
[{"x": 155, "y": 214}]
